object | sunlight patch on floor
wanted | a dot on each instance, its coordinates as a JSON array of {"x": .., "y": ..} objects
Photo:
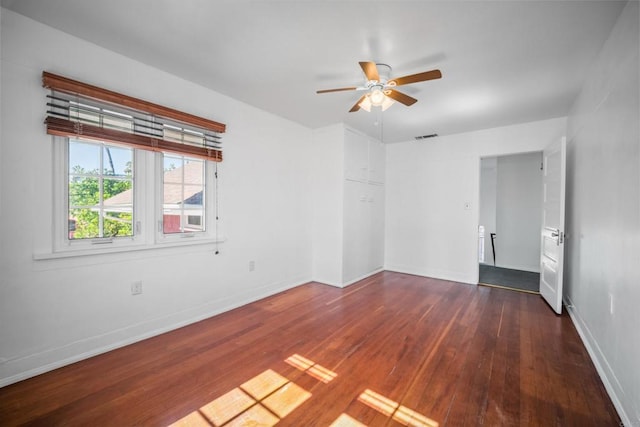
[
  {"x": 392, "y": 409},
  {"x": 311, "y": 368},
  {"x": 345, "y": 420},
  {"x": 255, "y": 416},
  {"x": 283, "y": 401},
  {"x": 264, "y": 384},
  {"x": 227, "y": 406},
  {"x": 261, "y": 401}
]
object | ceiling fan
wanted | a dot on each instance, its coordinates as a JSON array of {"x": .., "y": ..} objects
[{"x": 381, "y": 90}]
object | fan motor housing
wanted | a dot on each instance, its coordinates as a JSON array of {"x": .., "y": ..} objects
[{"x": 384, "y": 71}]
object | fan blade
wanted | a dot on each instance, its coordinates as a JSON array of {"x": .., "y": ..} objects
[
  {"x": 415, "y": 78},
  {"x": 356, "y": 107},
  {"x": 336, "y": 90},
  {"x": 400, "y": 97},
  {"x": 370, "y": 70}
]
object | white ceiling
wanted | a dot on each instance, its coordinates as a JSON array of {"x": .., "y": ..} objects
[{"x": 503, "y": 62}]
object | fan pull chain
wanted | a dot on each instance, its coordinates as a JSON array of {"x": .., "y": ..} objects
[{"x": 381, "y": 126}]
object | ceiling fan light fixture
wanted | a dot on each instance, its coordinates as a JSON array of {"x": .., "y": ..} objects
[
  {"x": 380, "y": 89},
  {"x": 388, "y": 102},
  {"x": 366, "y": 104},
  {"x": 377, "y": 96}
]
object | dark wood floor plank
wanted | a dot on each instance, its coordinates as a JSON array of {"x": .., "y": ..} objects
[{"x": 442, "y": 352}]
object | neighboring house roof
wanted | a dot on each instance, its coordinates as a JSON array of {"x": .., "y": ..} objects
[{"x": 192, "y": 178}]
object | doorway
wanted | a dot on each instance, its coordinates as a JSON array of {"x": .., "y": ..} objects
[{"x": 510, "y": 220}]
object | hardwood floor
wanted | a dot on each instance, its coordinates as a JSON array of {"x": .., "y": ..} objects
[{"x": 391, "y": 350}]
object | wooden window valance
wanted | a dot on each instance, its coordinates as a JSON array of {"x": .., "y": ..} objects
[{"x": 81, "y": 110}]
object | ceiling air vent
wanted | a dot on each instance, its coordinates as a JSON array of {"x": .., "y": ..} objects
[{"x": 433, "y": 135}]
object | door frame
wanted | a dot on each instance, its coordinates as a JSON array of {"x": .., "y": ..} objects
[{"x": 479, "y": 201}]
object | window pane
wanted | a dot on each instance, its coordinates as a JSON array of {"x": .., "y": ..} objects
[
  {"x": 83, "y": 192},
  {"x": 193, "y": 220},
  {"x": 171, "y": 163},
  {"x": 194, "y": 172},
  {"x": 118, "y": 161},
  {"x": 117, "y": 192},
  {"x": 118, "y": 224},
  {"x": 100, "y": 189},
  {"x": 171, "y": 222},
  {"x": 118, "y": 205},
  {"x": 84, "y": 158},
  {"x": 192, "y": 196},
  {"x": 183, "y": 195},
  {"x": 172, "y": 195},
  {"x": 85, "y": 222}
]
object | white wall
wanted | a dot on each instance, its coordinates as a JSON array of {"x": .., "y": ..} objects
[
  {"x": 56, "y": 311},
  {"x": 348, "y": 205},
  {"x": 519, "y": 211},
  {"x": 328, "y": 204},
  {"x": 428, "y": 230},
  {"x": 602, "y": 278}
]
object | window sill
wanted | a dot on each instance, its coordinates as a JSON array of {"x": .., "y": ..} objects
[{"x": 84, "y": 252}]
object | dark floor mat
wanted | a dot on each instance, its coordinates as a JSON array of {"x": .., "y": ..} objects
[{"x": 508, "y": 278}]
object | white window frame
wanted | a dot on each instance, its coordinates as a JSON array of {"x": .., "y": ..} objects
[
  {"x": 206, "y": 236},
  {"x": 147, "y": 215},
  {"x": 61, "y": 241}
]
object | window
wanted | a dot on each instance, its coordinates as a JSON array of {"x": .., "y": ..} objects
[
  {"x": 100, "y": 191},
  {"x": 102, "y": 199},
  {"x": 183, "y": 195},
  {"x": 122, "y": 164}
]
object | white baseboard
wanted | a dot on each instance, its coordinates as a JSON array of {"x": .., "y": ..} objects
[
  {"x": 22, "y": 368},
  {"x": 351, "y": 282},
  {"x": 436, "y": 274},
  {"x": 603, "y": 368}
]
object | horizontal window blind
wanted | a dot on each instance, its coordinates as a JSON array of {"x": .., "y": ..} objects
[{"x": 76, "y": 109}]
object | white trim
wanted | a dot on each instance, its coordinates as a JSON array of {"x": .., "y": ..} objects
[
  {"x": 209, "y": 219},
  {"x": 599, "y": 360},
  {"x": 133, "y": 248},
  {"x": 60, "y": 192},
  {"x": 66, "y": 355},
  {"x": 148, "y": 169},
  {"x": 451, "y": 276},
  {"x": 351, "y": 282}
]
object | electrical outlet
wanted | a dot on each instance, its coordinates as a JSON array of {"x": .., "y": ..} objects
[
  {"x": 136, "y": 288},
  {"x": 252, "y": 265}
]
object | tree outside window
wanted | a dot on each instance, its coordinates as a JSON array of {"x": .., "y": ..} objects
[{"x": 100, "y": 189}]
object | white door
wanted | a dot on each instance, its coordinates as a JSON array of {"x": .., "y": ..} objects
[{"x": 552, "y": 235}]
